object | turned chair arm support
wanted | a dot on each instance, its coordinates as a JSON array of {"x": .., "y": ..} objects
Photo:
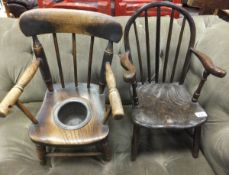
[
  {"x": 114, "y": 97},
  {"x": 130, "y": 73},
  {"x": 208, "y": 64},
  {"x": 13, "y": 95},
  {"x": 209, "y": 67}
]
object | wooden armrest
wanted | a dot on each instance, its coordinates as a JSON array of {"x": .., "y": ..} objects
[
  {"x": 114, "y": 97},
  {"x": 208, "y": 64},
  {"x": 130, "y": 73},
  {"x": 13, "y": 95}
]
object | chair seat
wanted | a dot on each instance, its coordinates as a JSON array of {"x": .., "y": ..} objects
[
  {"x": 167, "y": 105},
  {"x": 50, "y": 133}
]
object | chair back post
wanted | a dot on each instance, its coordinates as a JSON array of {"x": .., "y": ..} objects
[
  {"x": 44, "y": 68},
  {"x": 53, "y": 21},
  {"x": 107, "y": 57}
]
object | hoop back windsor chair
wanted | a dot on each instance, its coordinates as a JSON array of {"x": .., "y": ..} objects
[{"x": 161, "y": 100}]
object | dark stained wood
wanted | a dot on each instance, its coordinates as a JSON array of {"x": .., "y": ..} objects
[
  {"x": 73, "y": 154},
  {"x": 130, "y": 73},
  {"x": 139, "y": 52},
  {"x": 51, "y": 134},
  {"x": 158, "y": 35},
  {"x": 147, "y": 46},
  {"x": 106, "y": 150},
  {"x": 58, "y": 60},
  {"x": 196, "y": 94},
  {"x": 44, "y": 68},
  {"x": 168, "y": 45},
  {"x": 178, "y": 49},
  {"x": 210, "y": 68},
  {"x": 41, "y": 21},
  {"x": 41, "y": 152},
  {"x": 90, "y": 61},
  {"x": 135, "y": 95},
  {"x": 74, "y": 58},
  {"x": 165, "y": 104},
  {"x": 196, "y": 141},
  {"x": 144, "y": 9},
  {"x": 208, "y": 64},
  {"x": 135, "y": 142}
]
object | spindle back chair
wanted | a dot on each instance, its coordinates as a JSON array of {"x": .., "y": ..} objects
[
  {"x": 52, "y": 127},
  {"x": 161, "y": 100}
]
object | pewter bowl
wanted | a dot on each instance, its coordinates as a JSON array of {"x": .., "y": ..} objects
[{"x": 73, "y": 113}]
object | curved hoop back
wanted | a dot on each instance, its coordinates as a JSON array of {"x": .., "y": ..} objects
[{"x": 143, "y": 12}]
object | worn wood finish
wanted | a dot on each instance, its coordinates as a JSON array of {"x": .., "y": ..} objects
[
  {"x": 13, "y": 95},
  {"x": 178, "y": 49},
  {"x": 41, "y": 21},
  {"x": 44, "y": 68},
  {"x": 147, "y": 46},
  {"x": 196, "y": 141},
  {"x": 74, "y": 58},
  {"x": 208, "y": 64},
  {"x": 157, "y": 6},
  {"x": 157, "y": 52},
  {"x": 41, "y": 152},
  {"x": 58, "y": 60},
  {"x": 168, "y": 45},
  {"x": 165, "y": 103},
  {"x": 210, "y": 68},
  {"x": 107, "y": 58},
  {"x": 135, "y": 142},
  {"x": 166, "y": 106},
  {"x": 90, "y": 61},
  {"x": 107, "y": 154},
  {"x": 114, "y": 97},
  {"x": 50, "y": 131},
  {"x": 50, "y": 134},
  {"x": 130, "y": 73},
  {"x": 73, "y": 154},
  {"x": 139, "y": 52}
]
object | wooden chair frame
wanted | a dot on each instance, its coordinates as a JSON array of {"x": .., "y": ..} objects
[
  {"x": 130, "y": 74},
  {"x": 43, "y": 21}
]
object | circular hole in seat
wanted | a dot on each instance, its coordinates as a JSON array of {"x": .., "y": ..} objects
[{"x": 72, "y": 114}]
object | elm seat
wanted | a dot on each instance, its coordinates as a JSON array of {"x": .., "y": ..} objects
[
  {"x": 166, "y": 106},
  {"x": 92, "y": 133}
]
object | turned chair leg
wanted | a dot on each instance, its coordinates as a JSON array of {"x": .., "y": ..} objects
[
  {"x": 41, "y": 153},
  {"x": 135, "y": 142},
  {"x": 107, "y": 155},
  {"x": 196, "y": 141}
]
